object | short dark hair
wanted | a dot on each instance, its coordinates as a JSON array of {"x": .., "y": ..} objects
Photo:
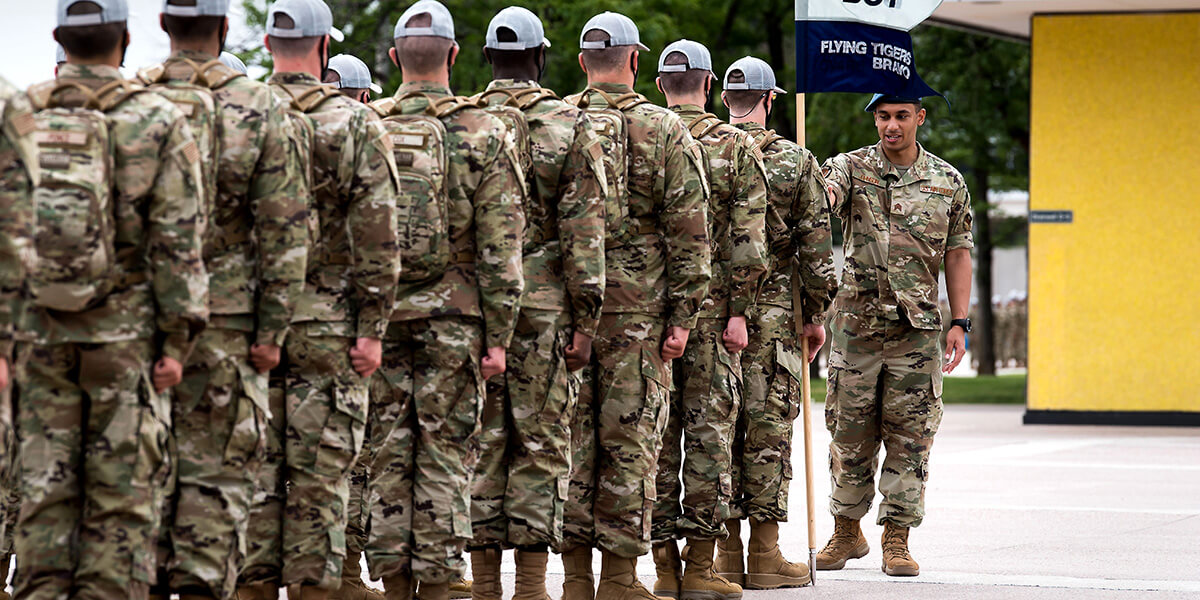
[
  {"x": 426, "y": 53},
  {"x": 191, "y": 29},
  {"x": 742, "y": 101},
  {"x": 291, "y": 47},
  {"x": 89, "y": 42},
  {"x": 606, "y": 60},
  {"x": 677, "y": 83},
  {"x": 513, "y": 64}
]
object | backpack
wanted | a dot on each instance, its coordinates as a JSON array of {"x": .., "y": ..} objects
[
  {"x": 609, "y": 123},
  {"x": 75, "y": 230},
  {"x": 297, "y": 114},
  {"x": 512, "y": 113},
  {"x": 194, "y": 97},
  {"x": 422, "y": 165}
]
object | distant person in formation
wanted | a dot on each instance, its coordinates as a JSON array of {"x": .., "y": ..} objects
[
  {"x": 801, "y": 263},
  {"x": 694, "y": 484},
  {"x": 351, "y": 77},
  {"x": 18, "y": 175},
  {"x": 525, "y": 445},
  {"x": 455, "y": 311},
  {"x": 658, "y": 267},
  {"x": 905, "y": 214},
  {"x": 115, "y": 304}
]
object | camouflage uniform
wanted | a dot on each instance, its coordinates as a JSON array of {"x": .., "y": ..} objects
[
  {"x": 885, "y": 366},
  {"x": 254, "y": 246},
  {"x": 348, "y": 294},
  {"x": 431, "y": 394},
  {"x": 799, "y": 237},
  {"x": 708, "y": 379},
  {"x": 522, "y": 477},
  {"x": 93, "y": 431},
  {"x": 657, "y": 276}
]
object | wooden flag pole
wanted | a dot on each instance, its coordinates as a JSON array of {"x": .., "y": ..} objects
[{"x": 805, "y": 386}]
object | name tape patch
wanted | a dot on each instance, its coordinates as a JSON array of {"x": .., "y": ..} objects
[
  {"x": 408, "y": 140},
  {"x": 933, "y": 189},
  {"x": 60, "y": 138},
  {"x": 54, "y": 160}
]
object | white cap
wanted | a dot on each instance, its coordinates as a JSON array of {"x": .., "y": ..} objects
[
  {"x": 697, "y": 57},
  {"x": 757, "y": 73},
  {"x": 197, "y": 8},
  {"x": 527, "y": 26},
  {"x": 111, "y": 11},
  {"x": 620, "y": 29},
  {"x": 233, "y": 62},
  {"x": 353, "y": 73},
  {"x": 312, "y": 18},
  {"x": 441, "y": 24}
]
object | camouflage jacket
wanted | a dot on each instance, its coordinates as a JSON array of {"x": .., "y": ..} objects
[
  {"x": 18, "y": 171},
  {"x": 255, "y": 236},
  {"x": 564, "y": 211},
  {"x": 666, "y": 266},
  {"x": 798, "y": 229},
  {"x": 486, "y": 222},
  {"x": 737, "y": 208},
  {"x": 157, "y": 185},
  {"x": 897, "y": 230},
  {"x": 352, "y": 265}
]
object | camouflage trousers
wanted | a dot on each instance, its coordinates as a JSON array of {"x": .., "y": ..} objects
[
  {"x": 326, "y": 408},
  {"x": 94, "y": 470},
  {"x": 264, "y": 534},
  {"x": 10, "y": 500},
  {"x": 762, "y": 447},
  {"x": 220, "y": 419},
  {"x": 885, "y": 387},
  {"x": 427, "y": 408},
  {"x": 524, "y": 448},
  {"x": 358, "y": 511},
  {"x": 696, "y": 444},
  {"x": 616, "y": 435}
]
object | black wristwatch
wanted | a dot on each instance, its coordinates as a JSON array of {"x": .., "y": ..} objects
[{"x": 964, "y": 323}]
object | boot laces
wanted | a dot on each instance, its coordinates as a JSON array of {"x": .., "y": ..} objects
[
  {"x": 843, "y": 535},
  {"x": 895, "y": 542}
]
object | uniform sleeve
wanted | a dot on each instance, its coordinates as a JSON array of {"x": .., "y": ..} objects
[
  {"x": 838, "y": 184},
  {"x": 17, "y": 172},
  {"x": 684, "y": 222},
  {"x": 372, "y": 223},
  {"x": 581, "y": 226},
  {"x": 961, "y": 221},
  {"x": 814, "y": 241},
  {"x": 499, "y": 235},
  {"x": 748, "y": 227},
  {"x": 278, "y": 195},
  {"x": 174, "y": 232}
]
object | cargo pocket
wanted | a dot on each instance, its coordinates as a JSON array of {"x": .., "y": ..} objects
[
  {"x": 247, "y": 444},
  {"x": 790, "y": 370},
  {"x": 831, "y": 399},
  {"x": 934, "y": 418},
  {"x": 341, "y": 438},
  {"x": 649, "y": 498},
  {"x": 727, "y": 379},
  {"x": 655, "y": 398},
  {"x": 562, "y": 490},
  {"x": 557, "y": 380},
  {"x": 153, "y": 464}
]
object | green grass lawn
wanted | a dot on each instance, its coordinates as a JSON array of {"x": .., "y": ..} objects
[{"x": 1002, "y": 389}]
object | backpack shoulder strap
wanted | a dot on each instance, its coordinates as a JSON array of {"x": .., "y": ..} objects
[
  {"x": 216, "y": 74},
  {"x": 481, "y": 99},
  {"x": 115, "y": 93},
  {"x": 626, "y": 101},
  {"x": 313, "y": 97},
  {"x": 527, "y": 98},
  {"x": 151, "y": 75},
  {"x": 444, "y": 107},
  {"x": 703, "y": 125},
  {"x": 770, "y": 138},
  {"x": 383, "y": 106}
]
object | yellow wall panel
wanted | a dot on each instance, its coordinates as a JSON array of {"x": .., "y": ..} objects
[{"x": 1114, "y": 316}]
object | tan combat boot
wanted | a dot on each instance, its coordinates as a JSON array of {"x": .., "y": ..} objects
[
  {"x": 434, "y": 591},
  {"x": 258, "y": 591},
  {"x": 353, "y": 587},
  {"x": 897, "y": 562},
  {"x": 729, "y": 563},
  {"x": 578, "y": 584},
  {"x": 618, "y": 579},
  {"x": 531, "y": 575},
  {"x": 669, "y": 568},
  {"x": 485, "y": 569},
  {"x": 700, "y": 582},
  {"x": 460, "y": 589},
  {"x": 847, "y": 542},
  {"x": 766, "y": 568},
  {"x": 399, "y": 587}
]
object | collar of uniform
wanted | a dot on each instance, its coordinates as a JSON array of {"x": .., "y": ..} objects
[
  {"x": 919, "y": 171},
  {"x": 688, "y": 110},
  {"x": 89, "y": 75},
  {"x": 511, "y": 84},
  {"x": 436, "y": 90},
  {"x": 293, "y": 77},
  {"x": 611, "y": 88},
  {"x": 192, "y": 55},
  {"x": 749, "y": 126}
]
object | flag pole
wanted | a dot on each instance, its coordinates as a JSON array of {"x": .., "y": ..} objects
[{"x": 805, "y": 385}]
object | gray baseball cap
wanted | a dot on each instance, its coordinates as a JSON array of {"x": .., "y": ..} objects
[
  {"x": 441, "y": 24},
  {"x": 620, "y": 29},
  {"x": 60, "y": 55},
  {"x": 197, "y": 8},
  {"x": 111, "y": 11},
  {"x": 527, "y": 26},
  {"x": 233, "y": 62},
  {"x": 759, "y": 76},
  {"x": 697, "y": 57},
  {"x": 353, "y": 73},
  {"x": 312, "y": 18}
]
